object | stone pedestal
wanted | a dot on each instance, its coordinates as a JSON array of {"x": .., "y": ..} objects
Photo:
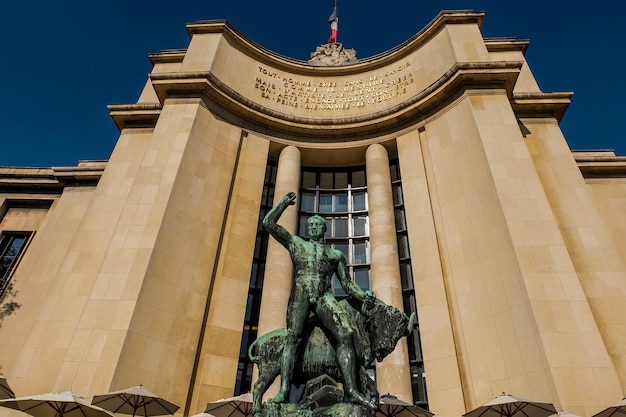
[
  {"x": 286, "y": 410},
  {"x": 336, "y": 410},
  {"x": 344, "y": 410}
]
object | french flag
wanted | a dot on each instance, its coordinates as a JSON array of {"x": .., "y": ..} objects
[{"x": 333, "y": 21}]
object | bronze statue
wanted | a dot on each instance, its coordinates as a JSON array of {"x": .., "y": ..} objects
[
  {"x": 314, "y": 265},
  {"x": 338, "y": 332}
]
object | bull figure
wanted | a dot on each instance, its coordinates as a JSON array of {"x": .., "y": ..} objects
[{"x": 378, "y": 327}]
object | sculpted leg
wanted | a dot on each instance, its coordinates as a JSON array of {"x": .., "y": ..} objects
[
  {"x": 288, "y": 361},
  {"x": 336, "y": 321},
  {"x": 347, "y": 366},
  {"x": 267, "y": 375},
  {"x": 297, "y": 314}
]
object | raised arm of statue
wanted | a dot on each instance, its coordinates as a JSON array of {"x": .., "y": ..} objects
[{"x": 271, "y": 218}]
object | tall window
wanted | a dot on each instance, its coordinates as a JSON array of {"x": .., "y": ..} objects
[
  {"x": 12, "y": 245},
  {"x": 418, "y": 380},
  {"x": 341, "y": 198}
]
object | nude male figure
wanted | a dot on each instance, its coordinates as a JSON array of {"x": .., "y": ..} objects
[{"x": 314, "y": 265}]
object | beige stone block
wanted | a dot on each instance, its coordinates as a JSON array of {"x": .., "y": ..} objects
[
  {"x": 446, "y": 402},
  {"x": 45, "y": 363},
  {"x": 23, "y": 361},
  {"x": 76, "y": 351},
  {"x": 218, "y": 370},
  {"x": 67, "y": 376}
]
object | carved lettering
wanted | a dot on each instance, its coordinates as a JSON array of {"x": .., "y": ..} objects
[{"x": 293, "y": 92}]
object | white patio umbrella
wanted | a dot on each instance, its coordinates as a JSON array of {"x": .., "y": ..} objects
[
  {"x": 137, "y": 401},
  {"x": 239, "y": 406},
  {"x": 564, "y": 414},
  {"x": 509, "y": 406},
  {"x": 61, "y": 404},
  {"x": 615, "y": 410},
  {"x": 391, "y": 406}
]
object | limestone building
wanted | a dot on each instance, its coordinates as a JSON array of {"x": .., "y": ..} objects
[{"x": 444, "y": 177}]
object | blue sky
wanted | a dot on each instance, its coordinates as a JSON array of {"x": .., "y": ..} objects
[{"x": 63, "y": 62}]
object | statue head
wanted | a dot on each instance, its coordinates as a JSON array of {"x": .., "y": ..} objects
[{"x": 316, "y": 227}]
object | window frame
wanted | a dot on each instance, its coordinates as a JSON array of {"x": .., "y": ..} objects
[{"x": 7, "y": 237}]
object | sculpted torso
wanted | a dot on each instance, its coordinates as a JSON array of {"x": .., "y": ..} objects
[{"x": 314, "y": 265}]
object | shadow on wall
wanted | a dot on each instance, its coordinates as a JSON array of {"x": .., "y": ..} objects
[{"x": 7, "y": 305}]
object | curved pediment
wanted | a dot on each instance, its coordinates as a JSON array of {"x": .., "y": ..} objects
[{"x": 374, "y": 96}]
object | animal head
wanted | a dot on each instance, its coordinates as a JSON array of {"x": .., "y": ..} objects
[{"x": 387, "y": 326}]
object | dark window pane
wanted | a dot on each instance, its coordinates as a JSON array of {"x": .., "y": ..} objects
[
  {"x": 256, "y": 308},
  {"x": 326, "y": 203},
  {"x": 400, "y": 220},
  {"x": 257, "y": 247},
  {"x": 341, "y": 202},
  {"x": 264, "y": 197},
  {"x": 340, "y": 227},
  {"x": 359, "y": 201},
  {"x": 361, "y": 253},
  {"x": 307, "y": 202},
  {"x": 260, "y": 275},
  {"x": 360, "y": 226},
  {"x": 259, "y": 226},
  {"x": 270, "y": 172},
  {"x": 302, "y": 226},
  {"x": 326, "y": 180},
  {"x": 406, "y": 276},
  {"x": 409, "y": 303},
  {"x": 253, "y": 275},
  {"x": 308, "y": 179},
  {"x": 247, "y": 316},
  {"x": 270, "y": 197},
  {"x": 358, "y": 179},
  {"x": 396, "y": 191},
  {"x": 341, "y": 180},
  {"x": 403, "y": 247},
  {"x": 393, "y": 171},
  {"x": 267, "y": 198},
  {"x": 343, "y": 247},
  {"x": 11, "y": 244},
  {"x": 362, "y": 278}
]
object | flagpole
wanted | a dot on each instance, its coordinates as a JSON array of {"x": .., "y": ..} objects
[{"x": 333, "y": 20}]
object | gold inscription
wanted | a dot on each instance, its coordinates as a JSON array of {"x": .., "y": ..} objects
[{"x": 295, "y": 92}]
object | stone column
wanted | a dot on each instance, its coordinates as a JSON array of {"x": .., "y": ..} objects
[
  {"x": 393, "y": 374},
  {"x": 278, "y": 267}
]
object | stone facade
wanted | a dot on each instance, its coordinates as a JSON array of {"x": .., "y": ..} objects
[{"x": 138, "y": 270}]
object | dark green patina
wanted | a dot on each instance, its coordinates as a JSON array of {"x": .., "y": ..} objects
[{"x": 325, "y": 339}]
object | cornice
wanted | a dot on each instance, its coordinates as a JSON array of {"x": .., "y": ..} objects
[
  {"x": 134, "y": 115},
  {"x": 600, "y": 164},
  {"x": 541, "y": 104},
  {"x": 50, "y": 180},
  {"x": 167, "y": 56},
  {"x": 507, "y": 44},
  {"x": 487, "y": 75}
]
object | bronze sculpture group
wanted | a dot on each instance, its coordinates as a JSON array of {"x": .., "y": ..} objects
[{"x": 325, "y": 339}]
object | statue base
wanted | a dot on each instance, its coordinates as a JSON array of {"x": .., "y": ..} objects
[
  {"x": 344, "y": 410},
  {"x": 335, "y": 410},
  {"x": 285, "y": 410}
]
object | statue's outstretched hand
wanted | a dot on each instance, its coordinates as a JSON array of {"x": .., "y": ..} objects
[{"x": 290, "y": 198}]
